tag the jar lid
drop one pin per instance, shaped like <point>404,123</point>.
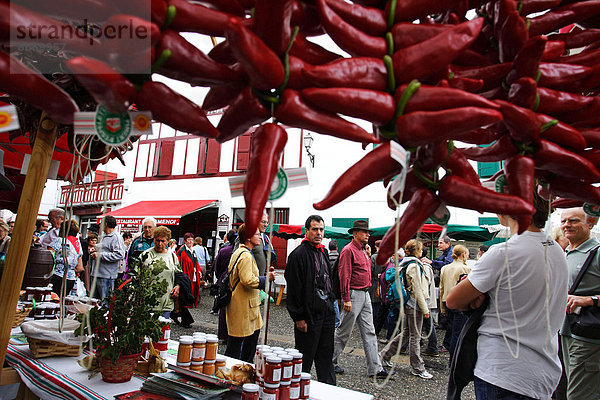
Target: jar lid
<point>186,339</point>
<point>291,350</point>
<point>305,376</point>
<point>209,361</point>
<point>297,355</point>
<point>197,362</point>
<point>199,339</point>
<point>164,320</point>
<point>277,348</point>
<point>273,359</point>
<point>295,380</point>
<point>286,357</point>
<point>271,385</point>
<point>211,339</point>
<point>250,387</point>
<point>285,383</point>
<point>221,358</point>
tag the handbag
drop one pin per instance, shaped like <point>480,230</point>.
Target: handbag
<point>586,323</point>
<point>224,293</point>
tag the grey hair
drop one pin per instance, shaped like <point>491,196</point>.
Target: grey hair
<point>149,219</point>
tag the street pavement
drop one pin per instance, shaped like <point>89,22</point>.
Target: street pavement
<point>402,385</point>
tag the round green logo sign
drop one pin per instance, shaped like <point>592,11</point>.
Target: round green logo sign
<point>113,128</point>
<point>279,186</point>
<point>591,209</point>
<point>441,216</point>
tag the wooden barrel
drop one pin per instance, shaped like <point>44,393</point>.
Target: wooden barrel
<point>39,265</point>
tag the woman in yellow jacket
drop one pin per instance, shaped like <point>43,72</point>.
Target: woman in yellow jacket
<point>243,312</point>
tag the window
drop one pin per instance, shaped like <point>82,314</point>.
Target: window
<point>487,169</point>
<point>488,221</point>
<point>163,160</point>
<point>281,216</point>
<point>243,151</point>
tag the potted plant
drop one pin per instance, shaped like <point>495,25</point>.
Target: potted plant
<point>122,321</point>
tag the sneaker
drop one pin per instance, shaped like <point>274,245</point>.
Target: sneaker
<point>338,370</point>
<point>431,353</point>
<point>381,374</point>
<point>387,363</point>
<point>422,375</point>
<point>383,341</point>
<point>403,352</point>
<point>443,349</point>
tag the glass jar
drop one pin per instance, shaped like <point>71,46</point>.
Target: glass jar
<point>38,294</point>
<point>184,353</point>
<point>305,385</point>
<point>220,363</point>
<point>46,294</point>
<point>211,347</point>
<point>284,390</point>
<point>199,348</point>
<point>272,369</point>
<point>197,366</point>
<point>40,311</point>
<point>270,391</point>
<point>29,293</point>
<point>209,367</point>
<point>287,367</point>
<point>295,389</point>
<point>250,391</point>
<point>297,365</point>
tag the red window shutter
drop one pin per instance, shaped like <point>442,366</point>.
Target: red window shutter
<point>243,151</point>
<point>202,156</point>
<point>213,157</point>
<point>165,163</point>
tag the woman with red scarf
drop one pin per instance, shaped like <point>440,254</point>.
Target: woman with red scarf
<point>189,265</point>
<point>73,253</point>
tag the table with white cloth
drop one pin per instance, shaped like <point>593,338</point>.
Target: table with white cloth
<point>62,378</point>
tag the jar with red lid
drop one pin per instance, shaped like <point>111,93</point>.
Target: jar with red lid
<point>287,367</point>
<point>29,293</point>
<point>272,369</point>
<point>260,367</point>
<point>46,294</point>
<point>38,294</point>
<point>295,389</point>
<point>284,390</point>
<point>297,365</point>
<point>40,311</point>
<point>270,391</point>
<point>250,391</point>
<point>305,385</point>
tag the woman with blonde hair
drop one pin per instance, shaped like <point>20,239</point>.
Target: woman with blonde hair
<point>416,284</point>
<point>449,277</point>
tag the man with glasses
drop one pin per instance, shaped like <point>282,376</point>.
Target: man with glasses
<point>581,356</point>
<point>143,242</point>
<point>56,216</point>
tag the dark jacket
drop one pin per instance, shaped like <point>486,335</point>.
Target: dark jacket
<point>303,302</point>
<point>444,259</point>
<point>185,289</point>
<point>138,246</point>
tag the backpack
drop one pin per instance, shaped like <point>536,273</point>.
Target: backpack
<point>393,294</point>
<point>224,292</point>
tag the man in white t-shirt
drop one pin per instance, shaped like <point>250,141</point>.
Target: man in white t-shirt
<point>517,347</point>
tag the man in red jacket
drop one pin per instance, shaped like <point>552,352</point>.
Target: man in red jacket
<point>355,281</point>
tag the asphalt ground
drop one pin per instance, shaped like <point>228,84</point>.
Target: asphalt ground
<point>402,385</point>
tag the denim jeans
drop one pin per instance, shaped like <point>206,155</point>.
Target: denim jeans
<point>336,308</point>
<point>486,391</point>
<point>103,286</point>
<point>431,335</point>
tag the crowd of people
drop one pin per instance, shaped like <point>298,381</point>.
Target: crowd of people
<point>524,293</point>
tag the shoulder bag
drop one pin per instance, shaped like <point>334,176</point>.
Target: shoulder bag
<point>586,323</point>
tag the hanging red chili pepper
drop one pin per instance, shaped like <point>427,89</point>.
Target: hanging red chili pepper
<point>500,150</point>
<point>422,205</point>
<point>457,164</point>
<point>370,105</point>
<point>267,145</point>
<point>456,191</point>
<point>562,76</point>
<point>527,60</point>
<point>430,56</point>
<point>356,72</point>
<point>221,96</point>
<point>523,93</point>
<point>174,110</point>
<point>191,17</point>
<point>592,137</point>
<point>534,6</point>
<point>349,38</point>
<point>513,37</point>
<point>311,52</point>
<point>482,135</point>
<point>407,34</point>
<point>577,37</point>
<point>566,203</point>
<point>368,19</point>
<point>107,86</point>
<point>553,158</point>
<point>409,10</point>
<point>244,112</point>
<point>412,184</point>
<point>555,101</point>
<point>561,133</point>
<point>523,124</point>
<point>272,23</point>
<point>520,179</point>
<point>421,127</point>
<point>295,112</point>
<point>563,16</point>
<point>262,65</point>
<point>296,79</point>
<point>185,62</point>
<point>575,190</point>
<point>431,156</point>
<point>492,75</point>
<point>433,98</point>
<point>374,166</point>
<point>18,80</point>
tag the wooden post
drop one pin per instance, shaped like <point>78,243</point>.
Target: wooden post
<point>29,204</point>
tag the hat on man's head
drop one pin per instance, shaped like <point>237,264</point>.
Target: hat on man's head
<point>360,224</point>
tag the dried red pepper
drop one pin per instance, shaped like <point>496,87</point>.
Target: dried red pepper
<point>407,34</point>
<point>520,179</point>
<point>311,52</point>
<point>375,166</point>
<point>422,204</point>
<point>368,19</point>
<point>107,86</point>
<point>272,23</point>
<point>421,127</point>
<point>370,105</point>
<point>577,38</point>
<point>244,112</point>
<point>191,17</point>
<point>575,190</point>
<point>457,164</point>
<point>294,111</point>
<point>482,135</point>
<point>492,75</point>
<point>533,6</point>
<point>513,37</point>
<point>523,92</point>
<point>18,80</point>
<point>262,65</point>
<point>357,72</point>
<point>553,158</point>
<point>432,98</point>
<point>527,60</point>
<point>555,101</point>
<point>174,110</point>
<point>409,10</point>
<point>456,191</point>
<point>431,156</point>
<point>221,96</point>
<point>351,39</point>
<point>566,203</point>
<point>522,123</point>
<point>562,76</point>
<point>502,149</point>
<point>591,136</point>
<point>563,16</point>
<point>267,145</point>
<point>561,133</point>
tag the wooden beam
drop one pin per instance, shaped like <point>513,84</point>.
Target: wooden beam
<point>29,204</point>
<point>9,376</point>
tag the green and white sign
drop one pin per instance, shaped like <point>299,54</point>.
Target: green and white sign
<point>114,129</point>
<point>279,186</point>
<point>592,210</point>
